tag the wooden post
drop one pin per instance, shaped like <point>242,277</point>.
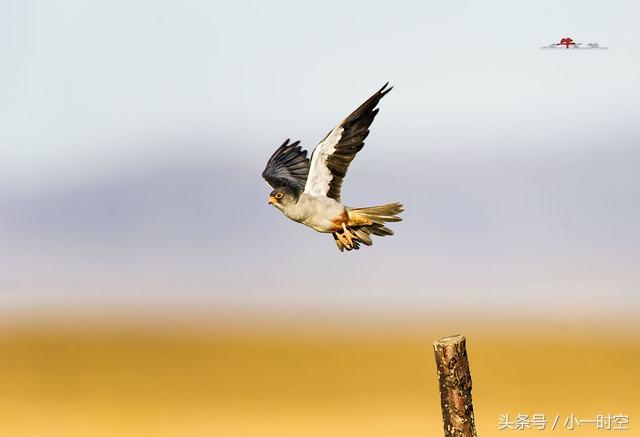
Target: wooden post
<point>455,386</point>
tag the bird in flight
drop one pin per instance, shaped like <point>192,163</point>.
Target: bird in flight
<point>308,191</point>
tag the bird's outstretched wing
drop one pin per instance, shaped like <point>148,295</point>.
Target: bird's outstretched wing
<point>288,166</point>
<point>331,158</point>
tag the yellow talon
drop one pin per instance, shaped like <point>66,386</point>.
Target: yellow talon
<point>347,235</point>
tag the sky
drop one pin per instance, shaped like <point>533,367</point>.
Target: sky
<point>133,135</point>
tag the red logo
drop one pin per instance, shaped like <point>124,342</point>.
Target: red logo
<point>569,43</point>
<point>566,42</point>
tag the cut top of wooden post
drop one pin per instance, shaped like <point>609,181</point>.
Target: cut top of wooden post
<point>454,378</point>
<point>452,339</point>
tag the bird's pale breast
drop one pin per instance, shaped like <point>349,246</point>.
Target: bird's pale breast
<point>320,213</point>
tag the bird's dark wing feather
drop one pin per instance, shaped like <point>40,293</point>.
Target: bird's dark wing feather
<point>331,158</point>
<point>288,166</point>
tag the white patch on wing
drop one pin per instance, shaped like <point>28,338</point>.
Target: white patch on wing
<point>319,174</point>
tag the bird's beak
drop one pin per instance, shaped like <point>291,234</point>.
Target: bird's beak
<point>272,200</point>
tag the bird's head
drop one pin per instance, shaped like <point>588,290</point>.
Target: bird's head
<point>281,197</point>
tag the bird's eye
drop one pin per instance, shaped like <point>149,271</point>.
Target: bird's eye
<point>278,195</point>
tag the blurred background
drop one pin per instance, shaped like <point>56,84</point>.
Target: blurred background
<point>146,287</point>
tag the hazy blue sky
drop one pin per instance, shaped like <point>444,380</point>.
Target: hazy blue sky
<point>133,135</point>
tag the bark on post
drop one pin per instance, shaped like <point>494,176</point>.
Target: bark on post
<point>455,386</point>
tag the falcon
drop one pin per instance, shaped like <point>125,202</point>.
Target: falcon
<point>308,191</point>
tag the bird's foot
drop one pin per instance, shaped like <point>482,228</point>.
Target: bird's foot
<point>343,240</point>
<point>347,235</point>
<point>346,239</point>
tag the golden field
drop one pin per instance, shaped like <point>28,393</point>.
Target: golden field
<point>118,379</point>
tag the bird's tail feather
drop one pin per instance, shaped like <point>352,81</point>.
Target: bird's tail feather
<point>363,222</point>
